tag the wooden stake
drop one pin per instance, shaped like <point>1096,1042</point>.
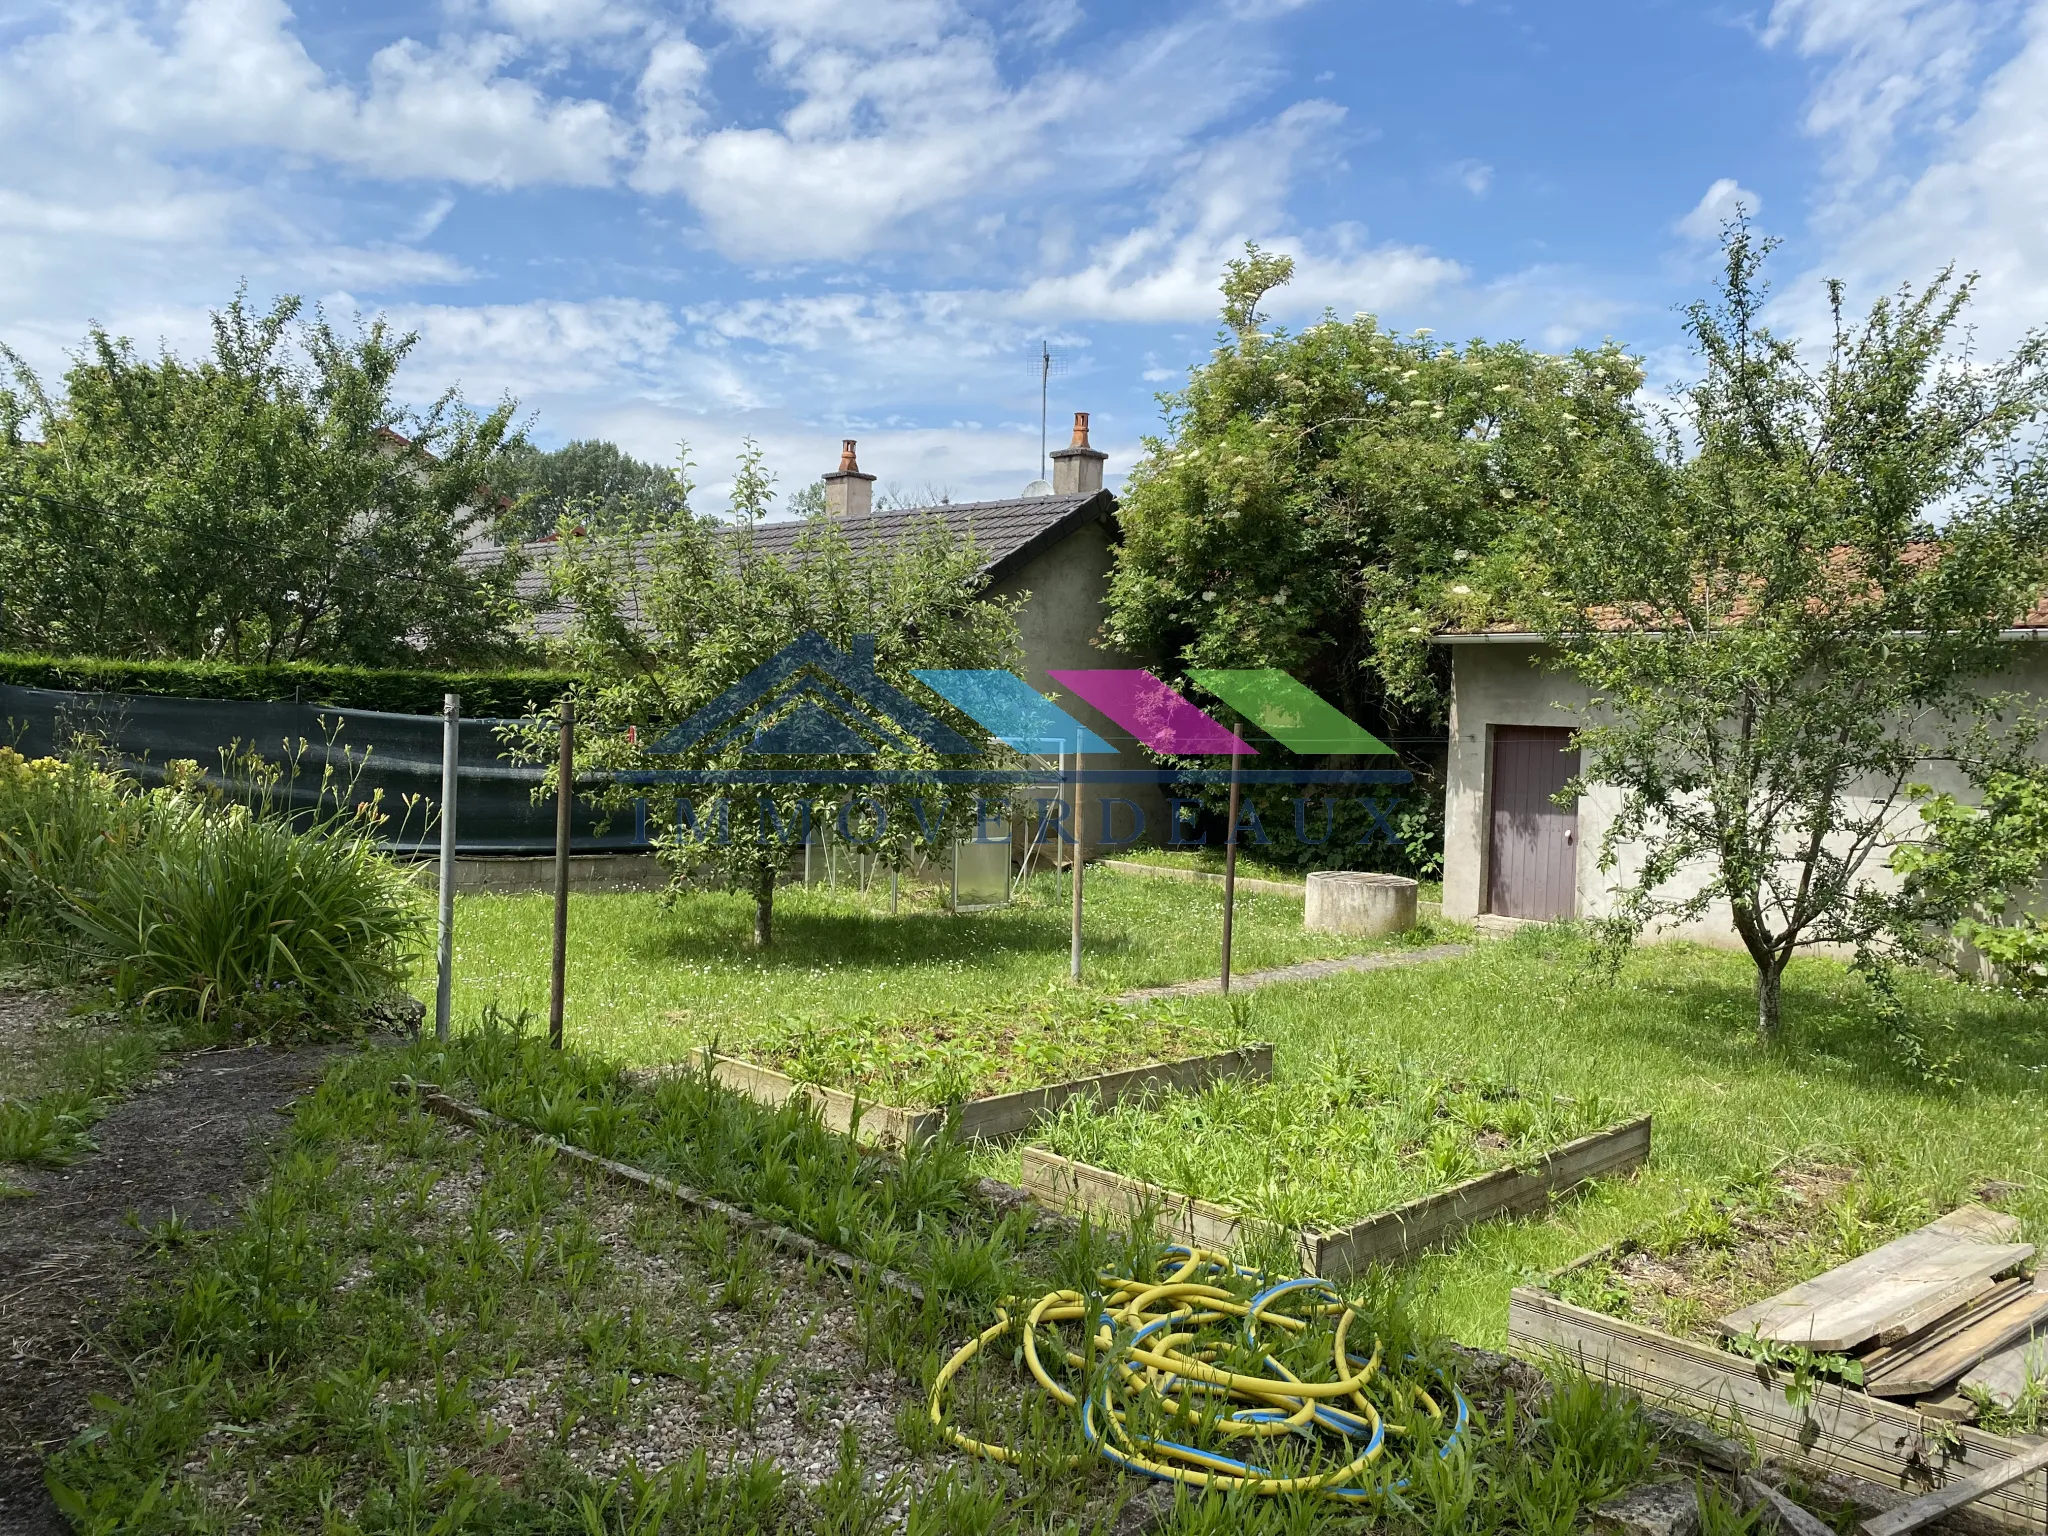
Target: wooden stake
<point>444,954</point>
<point>565,802</point>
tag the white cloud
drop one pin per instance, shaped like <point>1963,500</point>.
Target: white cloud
<point>1231,191</point>
<point>1716,207</point>
<point>1894,65</point>
<point>1475,176</point>
<point>566,20</point>
<point>550,346</point>
<point>874,144</point>
<point>229,74</point>
<point>1980,202</point>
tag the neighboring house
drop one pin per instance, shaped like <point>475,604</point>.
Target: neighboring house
<point>1512,851</point>
<point>1056,547</point>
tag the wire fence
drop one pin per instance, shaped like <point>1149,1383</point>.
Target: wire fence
<point>368,750</point>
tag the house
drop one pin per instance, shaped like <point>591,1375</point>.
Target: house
<point>1054,546</point>
<point>1510,851</point>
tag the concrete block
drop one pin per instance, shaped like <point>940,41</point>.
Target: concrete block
<point>1345,901</point>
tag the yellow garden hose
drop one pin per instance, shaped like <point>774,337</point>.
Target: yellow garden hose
<point>1155,1348</point>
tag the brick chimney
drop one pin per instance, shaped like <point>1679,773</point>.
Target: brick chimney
<point>1077,468</point>
<point>849,493</point>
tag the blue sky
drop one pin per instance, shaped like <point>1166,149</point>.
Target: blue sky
<point>805,220</point>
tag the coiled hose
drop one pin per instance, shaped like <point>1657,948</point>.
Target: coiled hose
<point>1156,1347</point>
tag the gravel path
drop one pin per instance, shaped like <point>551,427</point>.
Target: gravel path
<point>1308,970</point>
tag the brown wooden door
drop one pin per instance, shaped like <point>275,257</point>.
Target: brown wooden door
<point>1533,853</point>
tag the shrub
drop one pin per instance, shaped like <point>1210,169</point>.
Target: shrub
<point>397,690</point>
<point>60,821</point>
<point>197,905</point>
<point>224,912</point>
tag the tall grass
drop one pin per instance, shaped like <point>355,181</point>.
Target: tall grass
<point>203,899</point>
<point>221,911</point>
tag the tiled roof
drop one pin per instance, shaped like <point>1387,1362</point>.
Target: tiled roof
<point>1007,534</point>
<point>1842,560</point>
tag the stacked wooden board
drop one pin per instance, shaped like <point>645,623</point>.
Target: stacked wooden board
<point>1933,1317</point>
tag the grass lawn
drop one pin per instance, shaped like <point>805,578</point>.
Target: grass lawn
<point>648,981</point>
<point>1674,1036</point>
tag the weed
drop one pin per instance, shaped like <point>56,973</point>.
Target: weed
<point>744,1389</point>
<point>1723,1514</point>
<point>1805,1368</point>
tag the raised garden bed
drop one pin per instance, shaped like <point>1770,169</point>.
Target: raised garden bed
<point>1385,1237</point>
<point>1708,1272</point>
<point>991,1117</point>
<point>1359,1166</point>
<point>1820,1422</point>
<point>927,1058</point>
<point>1340,1138</point>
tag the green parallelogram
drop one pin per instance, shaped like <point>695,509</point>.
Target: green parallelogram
<point>1286,710</point>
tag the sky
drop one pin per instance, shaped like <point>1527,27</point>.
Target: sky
<point>805,220</point>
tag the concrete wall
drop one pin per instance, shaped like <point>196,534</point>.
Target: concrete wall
<point>516,874</point>
<point>1519,684</point>
<point>1068,585</point>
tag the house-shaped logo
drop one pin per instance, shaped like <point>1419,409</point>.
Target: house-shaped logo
<point>813,699</point>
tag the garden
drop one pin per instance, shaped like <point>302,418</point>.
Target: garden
<point>647,1356</point>
<point>841,1212</point>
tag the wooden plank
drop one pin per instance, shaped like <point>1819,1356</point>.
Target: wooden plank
<point>1519,1191</point>
<point>1886,1294</point>
<point>1954,1495</point>
<point>1951,1406</point>
<point>1953,1349</point>
<point>1011,1114</point>
<point>1869,1437</point>
<point>1062,1184</point>
<point>1978,1223</point>
<point>884,1124</point>
<point>1791,1517</point>
<point>2005,1374</point>
<point>1882,1357</point>
<point>993,1118</point>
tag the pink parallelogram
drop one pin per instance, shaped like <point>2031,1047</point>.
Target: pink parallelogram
<point>1160,718</point>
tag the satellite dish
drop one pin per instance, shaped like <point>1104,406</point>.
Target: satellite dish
<point>1038,488</point>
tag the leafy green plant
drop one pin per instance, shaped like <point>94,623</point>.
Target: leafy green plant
<point>1805,1368</point>
<point>47,1131</point>
<point>221,913</point>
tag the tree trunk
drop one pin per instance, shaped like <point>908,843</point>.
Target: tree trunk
<point>764,905</point>
<point>1769,1001</point>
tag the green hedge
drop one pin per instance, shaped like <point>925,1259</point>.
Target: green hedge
<point>399,692</point>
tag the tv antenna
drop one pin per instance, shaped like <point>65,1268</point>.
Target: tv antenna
<point>1048,365</point>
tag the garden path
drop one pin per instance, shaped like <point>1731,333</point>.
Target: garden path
<point>71,1247</point>
<point>1308,970</point>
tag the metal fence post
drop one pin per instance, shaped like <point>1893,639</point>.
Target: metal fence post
<point>1230,874</point>
<point>1080,849</point>
<point>565,802</point>
<point>444,969</point>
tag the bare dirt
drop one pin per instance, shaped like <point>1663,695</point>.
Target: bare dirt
<point>1718,1255</point>
<point>187,1142</point>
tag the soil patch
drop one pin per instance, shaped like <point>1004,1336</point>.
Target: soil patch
<point>1726,1249</point>
<point>70,1247</point>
